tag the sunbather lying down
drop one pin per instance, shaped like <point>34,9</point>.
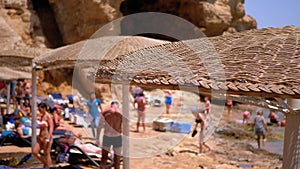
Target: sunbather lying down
<point>71,140</point>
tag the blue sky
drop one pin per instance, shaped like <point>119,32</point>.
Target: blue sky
<point>274,13</point>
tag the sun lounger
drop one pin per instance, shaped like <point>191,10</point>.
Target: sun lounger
<point>15,139</point>
<point>58,99</point>
<point>79,118</point>
<point>70,98</point>
<point>75,155</point>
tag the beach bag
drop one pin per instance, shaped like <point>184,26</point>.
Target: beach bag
<point>62,158</point>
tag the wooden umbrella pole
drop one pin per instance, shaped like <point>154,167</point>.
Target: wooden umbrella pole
<point>125,109</point>
<point>291,149</point>
<point>8,97</point>
<point>34,107</point>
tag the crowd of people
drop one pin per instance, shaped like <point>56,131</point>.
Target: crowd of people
<point>259,124</point>
<point>51,120</point>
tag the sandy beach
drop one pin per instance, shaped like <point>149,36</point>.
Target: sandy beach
<point>233,146</point>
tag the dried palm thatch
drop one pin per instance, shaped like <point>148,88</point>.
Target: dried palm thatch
<point>264,62</point>
<point>12,74</point>
<point>17,63</point>
<point>90,52</point>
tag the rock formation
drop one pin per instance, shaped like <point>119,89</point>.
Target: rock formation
<point>54,23</point>
<point>78,20</point>
<point>19,25</point>
<point>213,17</point>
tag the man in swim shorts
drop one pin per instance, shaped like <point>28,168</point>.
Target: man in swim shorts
<point>112,134</point>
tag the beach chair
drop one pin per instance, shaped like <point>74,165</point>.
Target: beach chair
<point>78,118</point>
<point>75,155</point>
<point>70,98</point>
<point>15,139</point>
<point>58,99</point>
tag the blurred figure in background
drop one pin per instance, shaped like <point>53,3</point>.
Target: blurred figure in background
<point>246,117</point>
<point>141,102</point>
<point>207,105</point>
<point>229,105</point>
<point>260,127</point>
<point>274,119</point>
<point>94,110</point>
<point>136,90</point>
<point>168,101</point>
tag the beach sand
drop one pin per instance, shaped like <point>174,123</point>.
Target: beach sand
<point>230,142</point>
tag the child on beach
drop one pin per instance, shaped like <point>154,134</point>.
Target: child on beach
<point>207,105</point>
<point>260,126</point>
<point>246,117</point>
<point>229,105</point>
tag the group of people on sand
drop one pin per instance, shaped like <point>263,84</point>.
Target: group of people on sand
<point>140,102</point>
<point>50,121</point>
<point>260,126</point>
<point>19,91</point>
<point>112,119</point>
<point>201,116</point>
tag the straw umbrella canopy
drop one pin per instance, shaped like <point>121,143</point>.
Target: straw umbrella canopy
<point>88,51</point>
<point>88,54</point>
<point>261,62</point>
<point>17,64</point>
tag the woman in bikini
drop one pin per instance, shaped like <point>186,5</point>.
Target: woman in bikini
<point>44,140</point>
<point>200,119</point>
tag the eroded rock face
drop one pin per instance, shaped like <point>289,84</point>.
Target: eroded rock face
<point>213,17</point>
<point>20,24</point>
<point>78,20</point>
<point>27,23</point>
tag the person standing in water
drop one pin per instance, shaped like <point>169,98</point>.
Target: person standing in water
<point>260,126</point>
<point>45,139</point>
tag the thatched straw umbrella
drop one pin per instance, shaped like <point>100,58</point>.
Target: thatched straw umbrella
<point>17,64</point>
<point>262,63</point>
<point>93,50</point>
<point>89,53</point>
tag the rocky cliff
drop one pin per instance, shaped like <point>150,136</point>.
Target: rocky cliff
<point>213,17</point>
<point>54,23</point>
<point>19,25</point>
